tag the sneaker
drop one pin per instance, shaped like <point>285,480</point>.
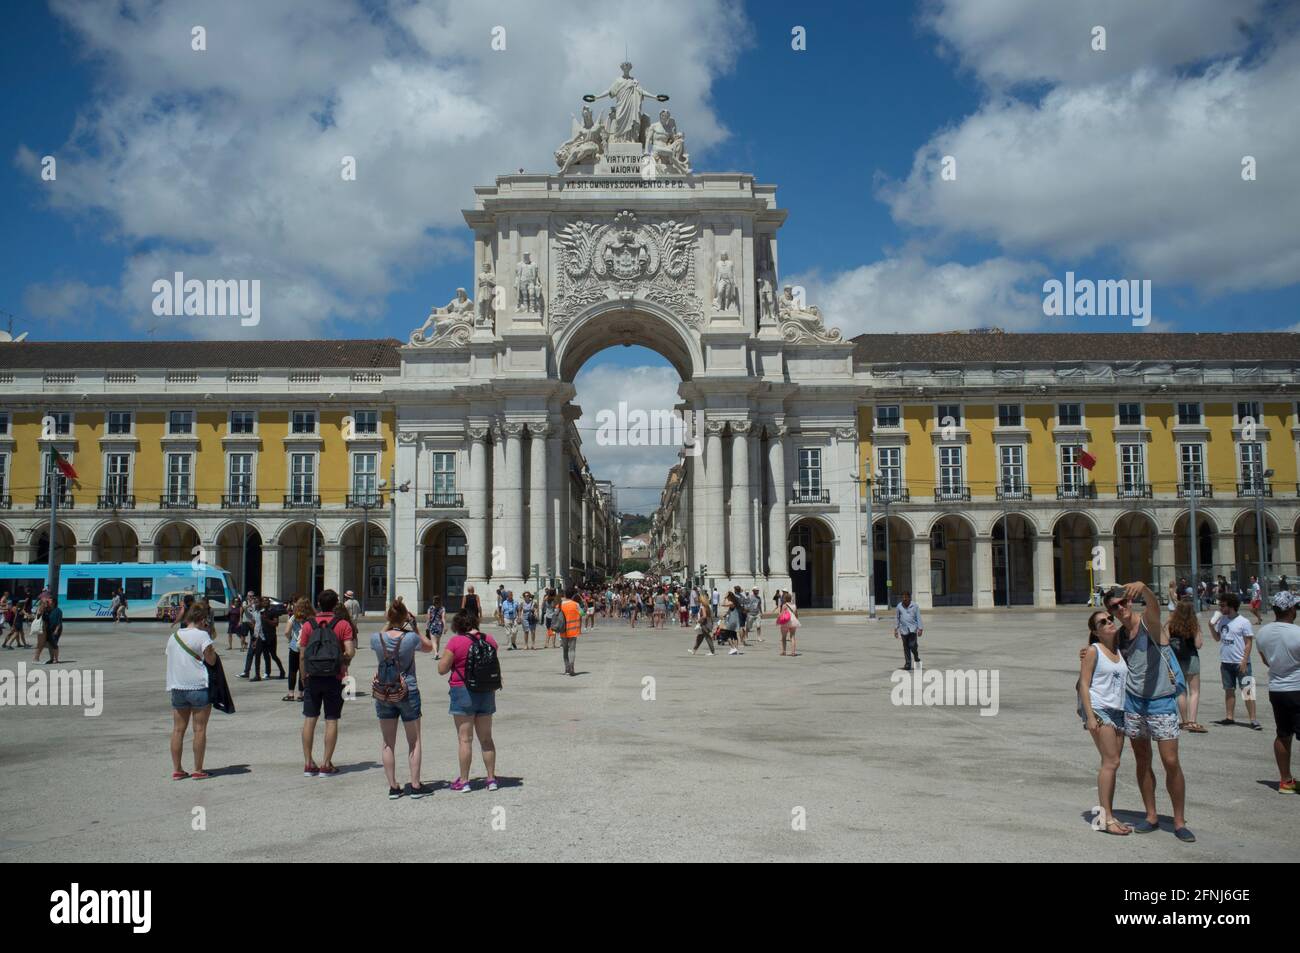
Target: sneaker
<point>711,654</point>
<point>460,787</point>
<point>1256,726</point>
<point>492,784</point>
<point>394,793</point>
<point>242,675</point>
<point>417,793</point>
<point>734,652</point>
<point>1286,787</point>
<point>328,771</point>
<point>310,770</point>
<point>690,651</point>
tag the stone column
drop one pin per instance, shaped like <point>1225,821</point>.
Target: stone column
<point>1224,553</point>
<point>742,545</point>
<point>539,537</point>
<point>1165,569</point>
<point>922,595</point>
<point>1044,570</point>
<point>716,545</point>
<point>851,584</point>
<point>555,490</point>
<point>699,507</point>
<point>778,553</point>
<point>983,572</point>
<point>270,581</point>
<point>406,582</point>
<point>586,527</point>
<point>333,567</point>
<point>496,509</point>
<point>513,506</point>
<point>479,557</point>
<point>756,501</point>
<point>1106,574</point>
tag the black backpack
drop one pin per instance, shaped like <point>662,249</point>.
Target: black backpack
<point>323,653</point>
<point>482,667</point>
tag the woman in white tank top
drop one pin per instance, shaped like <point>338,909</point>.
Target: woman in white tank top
<point>1101,706</point>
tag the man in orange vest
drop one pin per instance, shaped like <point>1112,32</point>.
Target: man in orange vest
<point>572,613</point>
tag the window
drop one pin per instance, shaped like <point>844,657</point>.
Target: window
<point>1009,415</point>
<point>455,544</point>
<point>1013,469</point>
<point>365,478</point>
<point>81,590</point>
<point>62,424</point>
<point>303,476</point>
<point>106,587</point>
<point>304,421</point>
<point>117,475</point>
<point>1071,470</point>
<point>54,482</point>
<point>1130,415</point>
<point>950,470</point>
<point>180,422</point>
<point>1252,465</point>
<point>119,421</point>
<point>1189,414</point>
<point>178,476</point>
<point>1191,458</point>
<point>241,477</point>
<point>810,472</point>
<point>4,423</point>
<point>4,474</point>
<point>938,538</point>
<point>366,421</point>
<point>444,473</point>
<point>1069,415</point>
<point>949,410</point>
<point>242,421</point>
<point>214,590</point>
<point>1132,474</point>
<point>1248,410</point>
<point>891,470</point>
<point>139,587</point>
<point>888,416</point>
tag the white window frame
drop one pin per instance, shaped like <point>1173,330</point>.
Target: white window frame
<point>130,471</point>
<point>64,484</point>
<point>943,485</point>
<point>8,422</point>
<point>875,418</point>
<point>1124,482</point>
<point>108,423</point>
<point>353,457</point>
<point>4,472</point>
<point>1241,463</point>
<point>1083,420</point>
<point>884,484</point>
<point>379,421</point>
<point>252,473</point>
<point>1023,482</point>
<point>194,423</point>
<point>960,417</point>
<point>1183,464</point>
<point>997,416</point>
<point>807,490</point>
<point>315,474</point>
<point>315,431</point>
<point>1063,468</point>
<point>1236,412</point>
<point>72,423</point>
<point>230,420</point>
<point>1142,413</point>
<point>189,473</point>
<point>1200,413</point>
<point>434,472</point>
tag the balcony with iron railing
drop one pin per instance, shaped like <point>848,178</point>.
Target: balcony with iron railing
<point>800,494</point>
<point>44,500</point>
<point>1202,490</point>
<point>1076,491</point>
<point>952,494</point>
<point>116,501</point>
<point>1014,491</point>
<point>443,500</point>
<point>1249,491</point>
<point>364,501</point>
<point>240,501</point>
<point>302,501</point>
<point>890,493</point>
<point>6,502</point>
<point>1133,491</point>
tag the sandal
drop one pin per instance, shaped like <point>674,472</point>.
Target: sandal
<point>1197,728</point>
<point>200,776</point>
<point>288,698</point>
<point>1124,829</point>
<point>179,775</point>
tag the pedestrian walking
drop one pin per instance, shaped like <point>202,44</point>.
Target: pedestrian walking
<point>508,613</point>
<point>571,620</point>
<point>703,630</point>
<point>787,620</point>
<point>1235,637</point>
<point>907,626</point>
<point>436,622</point>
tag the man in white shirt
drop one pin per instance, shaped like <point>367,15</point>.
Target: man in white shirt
<point>1279,646</point>
<point>1234,635</point>
<point>350,603</point>
<point>189,652</point>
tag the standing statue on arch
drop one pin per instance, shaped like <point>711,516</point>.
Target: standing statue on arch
<point>627,124</point>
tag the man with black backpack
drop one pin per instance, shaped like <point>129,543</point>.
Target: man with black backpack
<point>328,643</point>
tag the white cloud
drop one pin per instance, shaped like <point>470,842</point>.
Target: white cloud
<point>226,163</point>
<point>1014,41</point>
<point>908,293</point>
<point>638,472</point>
<point>1140,162</point>
<point>66,300</point>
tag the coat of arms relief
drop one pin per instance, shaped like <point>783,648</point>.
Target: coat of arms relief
<point>601,261</point>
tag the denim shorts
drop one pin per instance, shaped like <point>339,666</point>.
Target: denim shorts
<point>408,708</point>
<point>1114,717</point>
<point>183,698</point>
<point>1231,675</point>
<point>465,702</point>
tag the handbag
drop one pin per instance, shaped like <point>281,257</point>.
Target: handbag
<point>38,625</point>
<point>390,692</point>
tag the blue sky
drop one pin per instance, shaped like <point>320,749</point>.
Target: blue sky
<point>1115,163</point>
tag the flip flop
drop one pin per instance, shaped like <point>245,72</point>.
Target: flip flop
<point>288,698</point>
<point>179,775</point>
<point>200,776</point>
<point>1197,728</point>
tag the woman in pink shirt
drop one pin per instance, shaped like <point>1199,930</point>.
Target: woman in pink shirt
<point>471,711</point>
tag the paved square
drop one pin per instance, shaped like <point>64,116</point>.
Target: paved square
<point>716,767</point>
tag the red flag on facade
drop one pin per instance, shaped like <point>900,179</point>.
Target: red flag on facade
<point>64,467</point>
<point>1087,460</point>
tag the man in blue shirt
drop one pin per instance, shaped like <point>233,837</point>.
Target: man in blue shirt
<point>509,616</point>
<point>907,626</point>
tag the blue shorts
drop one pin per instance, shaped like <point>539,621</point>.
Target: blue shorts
<point>1231,675</point>
<point>465,702</point>
<point>185,698</point>
<point>1114,717</point>
<point>408,708</point>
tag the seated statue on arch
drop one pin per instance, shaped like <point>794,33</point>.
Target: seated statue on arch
<point>667,146</point>
<point>586,144</point>
<point>441,321</point>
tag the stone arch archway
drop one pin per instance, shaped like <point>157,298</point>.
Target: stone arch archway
<point>6,545</point>
<point>115,542</point>
<point>812,563</point>
<point>1074,540</point>
<point>444,564</point>
<point>952,561</point>
<point>611,323</point>
<point>1135,548</point>
<point>1014,540</point>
